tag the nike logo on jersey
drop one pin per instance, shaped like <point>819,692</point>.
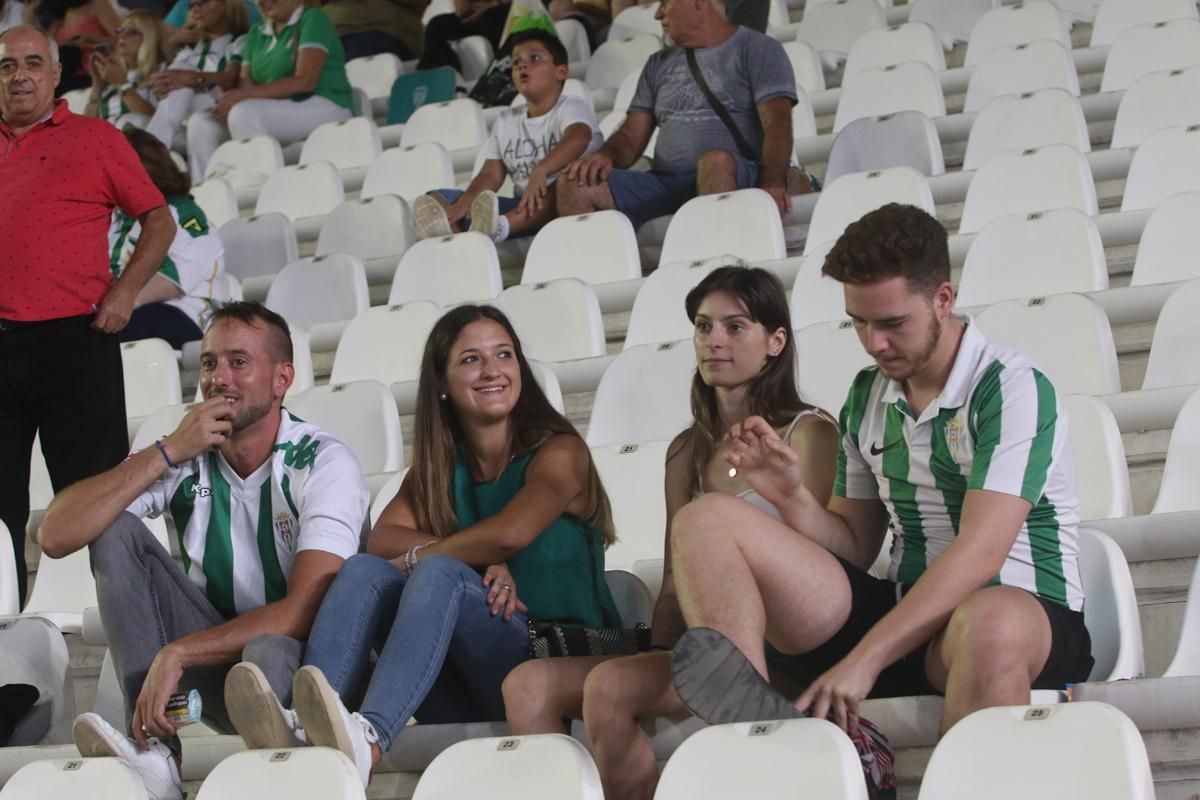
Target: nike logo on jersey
<point>876,450</point>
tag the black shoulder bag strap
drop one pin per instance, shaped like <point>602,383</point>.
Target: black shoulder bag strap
<point>744,147</point>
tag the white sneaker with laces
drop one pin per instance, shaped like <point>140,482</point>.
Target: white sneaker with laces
<point>257,714</point>
<point>429,218</point>
<point>485,216</point>
<point>327,722</point>
<point>95,738</point>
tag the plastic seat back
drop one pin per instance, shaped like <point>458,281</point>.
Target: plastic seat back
<point>304,772</point>
<point>902,139</point>
<point>306,190</point>
<point>373,229</point>
<point>547,767</point>
<point>1155,101</point>
<point>644,395</point>
<point>885,90</point>
<point>1173,357</point>
<point>361,415</point>
<point>830,355</point>
<point>1021,69</point>
<point>1143,49</point>
<point>385,343</point>
<point>1026,121</point>
<point>1102,477</point>
<point>850,197</point>
<point>1166,164</point>
<point>318,289</point>
<point>952,20</point>
<point>1177,490</point>
<point>639,515</point>
<point>374,74</point>
<point>833,28</point>
<point>616,59</point>
<point>816,297</point>
<point>347,144</point>
<point>449,270</point>
<point>1169,232</point>
<point>245,162</point>
<point>217,200</point>
<point>557,320</point>
<point>744,224</point>
<point>59,779</point>
<point>1008,26</point>
<point>409,172</point>
<point>456,125</point>
<point>595,248</point>
<point>912,41</point>
<point>260,245</point>
<point>658,313</point>
<point>1028,181</point>
<point>1186,660</point>
<point>410,92</point>
<point>151,376</point>
<point>1114,17</point>
<point>806,65</point>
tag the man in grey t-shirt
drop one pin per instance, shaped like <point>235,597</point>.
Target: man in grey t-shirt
<point>696,153</point>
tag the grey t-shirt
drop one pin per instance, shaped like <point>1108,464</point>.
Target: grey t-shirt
<point>745,70</point>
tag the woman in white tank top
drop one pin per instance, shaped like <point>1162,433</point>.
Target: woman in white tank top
<point>745,367</point>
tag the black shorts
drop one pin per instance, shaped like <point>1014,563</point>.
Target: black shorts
<point>1070,659</point>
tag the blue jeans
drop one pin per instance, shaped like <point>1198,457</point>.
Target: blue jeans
<point>442,655</point>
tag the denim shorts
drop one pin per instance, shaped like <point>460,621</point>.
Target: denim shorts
<point>642,196</point>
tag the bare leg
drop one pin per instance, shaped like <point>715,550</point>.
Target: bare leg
<point>716,172</point>
<point>541,694</point>
<point>990,652</point>
<point>521,223</point>
<point>576,198</point>
<point>616,694</point>
<point>743,573</point>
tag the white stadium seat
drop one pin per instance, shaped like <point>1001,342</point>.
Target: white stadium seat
<point>448,270</point>
<point>885,47</point>
<point>1187,655</point>
<point>320,289</point>
<point>1030,255</point>
<point>1025,121</point>
<point>1114,17</point>
<point>1168,235</point>
<point>744,224</point>
<point>557,320</point>
<point>1020,69</point>
<point>457,125</point>
<point>952,20</point>
<point>644,395</point>
<point>305,773</point>
<point>1079,750</point>
<point>1166,164</point>
<point>1173,357</point>
<point>850,197</point>
<point>630,473</point>
<point>246,162</point>
<point>59,779</point>
<point>33,651</point>
<point>474,55</point>
<point>595,248</point>
<point>634,21</point>
<point>1177,491</point>
<point>816,297</point>
<point>10,602</point>
<point>361,415</point>
<point>787,758</point>
<point>830,355</point>
<point>658,313</point>
<point>151,376</point>
<point>1028,181</point>
<point>573,34</point>
<point>385,343</point>
<point>1008,26</point>
<point>1151,48</point>
<point>388,491</point>
<point>349,144</point>
<point>259,245</point>
<point>1067,335</point>
<point>885,90</point>
<point>1102,477</point>
<point>615,60</point>
<point>804,121</point>
<point>902,139</point>
<point>1155,101</point>
<point>547,767</point>
<point>376,230</point>
<point>409,171</point>
<point>1112,609</point>
<point>217,200</point>
<point>302,191</point>
<point>806,65</point>
<point>374,75</point>
<point>833,28</point>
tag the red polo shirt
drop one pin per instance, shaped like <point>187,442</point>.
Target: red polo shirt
<point>59,183</point>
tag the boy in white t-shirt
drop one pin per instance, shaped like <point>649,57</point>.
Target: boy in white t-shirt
<point>530,143</point>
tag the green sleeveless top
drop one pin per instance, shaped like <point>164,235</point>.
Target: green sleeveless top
<point>560,575</point>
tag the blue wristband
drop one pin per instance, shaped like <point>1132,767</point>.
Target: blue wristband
<point>166,457</point>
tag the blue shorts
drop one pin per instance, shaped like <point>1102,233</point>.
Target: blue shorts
<point>642,196</point>
<point>505,204</point>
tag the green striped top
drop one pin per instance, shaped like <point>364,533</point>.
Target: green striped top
<point>997,425</point>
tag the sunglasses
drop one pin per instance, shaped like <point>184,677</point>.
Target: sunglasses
<point>196,3</point>
<point>128,32</point>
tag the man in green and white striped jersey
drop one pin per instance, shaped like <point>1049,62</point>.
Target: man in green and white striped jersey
<point>267,507</point>
<point>955,445</point>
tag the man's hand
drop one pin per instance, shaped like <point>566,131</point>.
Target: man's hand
<point>206,425</point>
<point>779,194</point>
<point>161,682</point>
<point>839,692</point>
<point>114,310</point>
<point>533,199</point>
<point>766,462</point>
<point>590,170</point>
<point>503,591</point>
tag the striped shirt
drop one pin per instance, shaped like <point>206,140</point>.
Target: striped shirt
<point>997,425</point>
<point>238,537</point>
<point>211,56</point>
<point>195,261</point>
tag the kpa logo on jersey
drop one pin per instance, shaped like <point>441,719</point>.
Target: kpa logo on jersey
<point>283,529</point>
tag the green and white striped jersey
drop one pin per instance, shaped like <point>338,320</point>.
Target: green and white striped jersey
<point>195,261</point>
<point>211,56</point>
<point>997,425</point>
<point>238,537</point>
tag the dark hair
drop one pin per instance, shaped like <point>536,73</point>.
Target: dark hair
<point>48,12</point>
<point>895,240</point>
<point>156,158</point>
<point>553,45</point>
<point>772,393</point>
<point>255,314</point>
<point>437,432</point>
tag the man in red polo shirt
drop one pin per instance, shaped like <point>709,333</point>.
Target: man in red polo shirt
<point>61,175</point>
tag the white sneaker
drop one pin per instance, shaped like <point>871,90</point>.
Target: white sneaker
<point>257,714</point>
<point>429,218</point>
<point>329,724</point>
<point>95,738</point>
<point>485,215</point>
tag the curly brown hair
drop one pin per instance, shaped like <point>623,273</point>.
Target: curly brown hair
<point>895,240</point>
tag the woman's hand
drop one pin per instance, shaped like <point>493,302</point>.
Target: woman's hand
<point>765,461</point>
<point>169,80</point>
<point>109,69</point>
<point>502,594</point>
<point>227,102</point>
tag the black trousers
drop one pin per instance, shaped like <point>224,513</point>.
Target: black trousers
<point>63,380</point>
<point>446,28</point>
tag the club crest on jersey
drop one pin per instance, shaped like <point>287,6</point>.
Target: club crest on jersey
<point>954,434</point>
<point>283,528</point>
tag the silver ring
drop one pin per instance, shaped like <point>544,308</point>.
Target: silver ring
<point>504,587</point>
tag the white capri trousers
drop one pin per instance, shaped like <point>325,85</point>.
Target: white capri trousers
<point>173,110</point>
<point>286,120</point>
